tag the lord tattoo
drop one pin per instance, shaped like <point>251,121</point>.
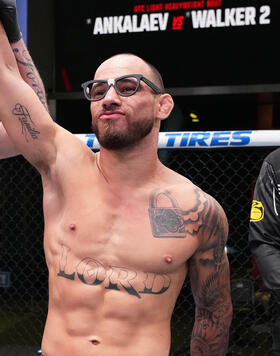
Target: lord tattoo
<point>27,125</point>
<point>92,272</point>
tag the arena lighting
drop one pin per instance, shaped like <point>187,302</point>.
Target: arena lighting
<point>194,117</point>
<point>230,250</point>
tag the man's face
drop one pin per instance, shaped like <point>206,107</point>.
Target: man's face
<point>119,122</point>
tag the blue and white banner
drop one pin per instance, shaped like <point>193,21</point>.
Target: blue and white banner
<point>206,139</point>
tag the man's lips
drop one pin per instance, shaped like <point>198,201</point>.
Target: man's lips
<point>105,115</point>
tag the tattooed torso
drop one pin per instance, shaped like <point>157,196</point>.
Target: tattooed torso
<point>120,258</point>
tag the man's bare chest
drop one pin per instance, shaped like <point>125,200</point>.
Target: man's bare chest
<point>136,241</point>
<point>124,234</point>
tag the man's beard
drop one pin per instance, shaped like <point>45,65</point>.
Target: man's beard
<point>112,139</point>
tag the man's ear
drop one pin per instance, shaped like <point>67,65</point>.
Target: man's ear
<point>165,106</point>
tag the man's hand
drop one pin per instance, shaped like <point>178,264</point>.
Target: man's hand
<point>8,16</point>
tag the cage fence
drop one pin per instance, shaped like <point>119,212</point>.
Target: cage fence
<point>228,174</point>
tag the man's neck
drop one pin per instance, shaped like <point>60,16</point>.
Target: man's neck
<point>132,165</point>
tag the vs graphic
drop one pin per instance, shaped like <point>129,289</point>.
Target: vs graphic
<point>177,22</point>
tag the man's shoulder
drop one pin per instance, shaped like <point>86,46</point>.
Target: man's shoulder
<point>208,208</point>
<point>203,215</point>
<point>188,193</point>
<point>185,189</point>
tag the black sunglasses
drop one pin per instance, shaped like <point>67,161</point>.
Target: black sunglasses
<point>125,85</point>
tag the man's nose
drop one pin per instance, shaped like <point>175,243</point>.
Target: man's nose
<point>111,97</point>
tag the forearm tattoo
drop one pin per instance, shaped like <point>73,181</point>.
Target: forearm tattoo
<point>27,125</point>
<point>173,222</point>
<point>211,329</point>
<point>31,74</point>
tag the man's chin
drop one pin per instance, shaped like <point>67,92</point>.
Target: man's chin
<point>113,139</point>
<point>115,143</point>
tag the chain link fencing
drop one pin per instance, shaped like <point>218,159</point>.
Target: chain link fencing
<point>228,174</point>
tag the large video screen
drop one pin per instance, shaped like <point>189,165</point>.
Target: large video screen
<point>192,43</point>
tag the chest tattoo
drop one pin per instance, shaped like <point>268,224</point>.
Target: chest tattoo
<point>92,272</point>
<point>171,221</point>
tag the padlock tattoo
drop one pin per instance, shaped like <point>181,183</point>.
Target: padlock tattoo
<point>170,221</point>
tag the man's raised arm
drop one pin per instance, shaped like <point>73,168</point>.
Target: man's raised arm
<point>24,117</point>
<point>27,69</point>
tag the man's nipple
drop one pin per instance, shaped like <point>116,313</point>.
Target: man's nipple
<point>168,259</point>
<point>72,227</point>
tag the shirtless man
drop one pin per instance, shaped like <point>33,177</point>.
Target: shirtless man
<point>122,231</point>
<point>28,71</point>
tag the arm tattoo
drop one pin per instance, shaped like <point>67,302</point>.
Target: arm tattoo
<point>212,295</point>
<point>27,125</point>
<point>31,74</point>
<point>209,267</point>
<point>211,330</point>
<point>216,232</point>
<point>171,221</point>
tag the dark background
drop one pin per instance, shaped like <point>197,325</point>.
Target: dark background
<point>188,57</point>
